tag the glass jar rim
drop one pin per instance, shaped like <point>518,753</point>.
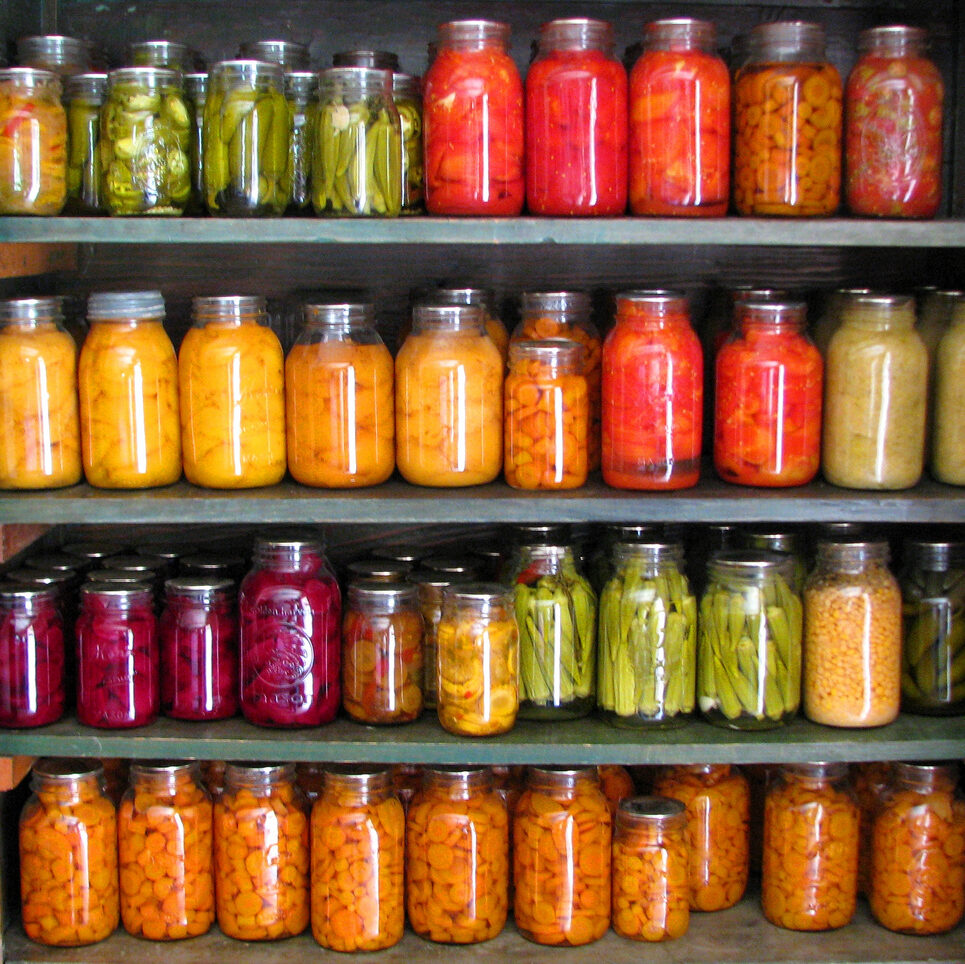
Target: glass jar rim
<point>281,53</point>
<point>30,310</point>
<point>125,306</point>
<point>451,565</point>
<point>818,769</point>
<point>751,561</point>
<point>698,32</point>
<point>227,307</point>
<point>355,77</point>
<point>14,591</point>
<point>447,317</point>
<point>934,555</point>
<point>196,83</point>
<point>383,570</point>
<point>479,30</point>
<point>254,770</point>
<point>155,76</point>
<point>555,301</point>
<point>65,768</point>
<point>300,82</point>
<point>477,592</point>
<point>892,34</point>
<point>163,767</point>
<point>367,57</point>
<point>250,70</point>
<point>781,312</point>
<point>58,561</point>
<point>357,777</point>
<point>338,314</point>
<point>371,590</point>
<point>197,586</point>
<point>32,77</point>
<point>652,807</point>
<point>90,84</point>
<point>559,351</point>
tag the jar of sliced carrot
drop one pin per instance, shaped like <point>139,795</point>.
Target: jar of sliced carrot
<point>261,854</point>
<point>616,784</point>
<point>456,857</point>
<point>561,857</point>
<point>870,781</point>
<point>358,834</point>
<point>809,872</point>
<point>164,845</point>
<point>787,97</point>
<point>917,883</point>
<point>718,799</point>
<point>68,855</point>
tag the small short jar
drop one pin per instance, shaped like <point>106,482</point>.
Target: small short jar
<point>84,96</point>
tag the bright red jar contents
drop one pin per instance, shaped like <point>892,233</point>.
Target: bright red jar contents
<point>893,128</point>
<point>767,425</point>
<point>290,617</point>
<point>652,394</point>
<point>576,122</point>
<point>472,123</point>
<point>679,123</point>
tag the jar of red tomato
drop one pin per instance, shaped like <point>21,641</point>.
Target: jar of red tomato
<point>576,122</point>
<point>652,394</point>
<point>473,123</point>
<point>767,425</point>
<point>893,126</point>
<point>679,123</point>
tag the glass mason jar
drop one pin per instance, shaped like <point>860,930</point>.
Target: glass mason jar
<point>33,161</point>
<point>829,321</point>
<point>576,122</point>
<point>290,614</point>
<point>161,53</point>
<point>787,541</point>
<point>893,126</point>
<point>809,872</point>
<point>366,57</point>
<point>198,630</point>
<point>546,410</point>
<point>934,312</point>
<point>407,95</point>
<point>473,116</point>
<point>652,394</point>
<point>128,384</point>
<point>382,653</point>
<point>870,781</point>
<point>301,88</point>
<point>60,55</point>
<point>651,900</point>
<point>556,615</point>
<point>462,897</point>
<point>246,128</point>
<point>787,96</point>
<point>261,853</point>
<point>357,158</point>
<point>40,437</point>
<point>561,857</point>
<point>680,122</point>
<point>340,399</point>
<point>482,298</point>
<point>231,375</point>
<point>68,855</point>
<point>376,570</point>
<point>749,648</point>
<point>449,399</point>
<point>358,821</point>
<point>84,96</point>
<point>195,96</point>
<point>431,587</point>
<point>769,384</point>
<point>876,386</point>
<point>478,660</point>
<point>287,54</point>
<point>852,639</point>
<point>717,797</point>
<point>917,882</point>
<point>164,830</point>
<point>948,435</point>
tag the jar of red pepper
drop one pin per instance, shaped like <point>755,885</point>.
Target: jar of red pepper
<point>576,122</point>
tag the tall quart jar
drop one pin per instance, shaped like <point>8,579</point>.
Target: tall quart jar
<point>161,53</point>
<point>165,811</point>
<point>231,375</point>
<point>562,833</point>
<point>893,126</point>
<point>84,96</point>
<point>64,56</point>
<point>195,95</point>
<point>448,399</point>
<point>483,299</point>
<point>128,385</point>
<point>680,122</point>
<point>407,95</point>
<point>39,426</point>
<point>875,401</point>
<point>287,54</point>
<point>301,89</point>
<point>473,115</point>
<point>431,587</point>
<point>68,855</point>
<point>948,434</point>
<point>652,394</point>
<point>358,840</point>
<point>852,639</point>
<point>340,399</point>
<point>576,122</point>
<point>787,96</point>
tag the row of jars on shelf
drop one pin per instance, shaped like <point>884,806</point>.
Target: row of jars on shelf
<point>168,864</point>
<point>580,139</point>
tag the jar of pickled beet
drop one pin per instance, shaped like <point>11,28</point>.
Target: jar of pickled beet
<point>473,117</point>
<point>561,857</point>
<point>680,122</point>
<point>261,853</point>
<point>382,653</point>
<point>650,892</point>
<point>290,614</point>
<point>769,384</point>
<point>301,88</point>
<point>231,375</point>
<point>195,95</point>
<point>340,399</point>
<point>68,855</point>
<point>948,439</point>
<point>456,856</point>
<point>478,660</point>
<point>917,881</point>
<point>576,122</point>
<point>199,649</point>
<point>893,126</point>
<point>787,96</point>
<point>358,838</point>
<point>483,299</point>
<point>448,399</point>
<point>165,811</point>
<point>407,94</point>
<point>84,96</point>
<point>652,394</point>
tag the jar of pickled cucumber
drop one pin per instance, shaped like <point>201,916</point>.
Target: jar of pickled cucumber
<point>300,91</point>
<point>287,54</point>
<point>84,95</point>
<point>948,436</point>
<point>68,855</point>
<point>64,56</point>
<point>195,95</point>
<point>161,53</point>
<point>407,94</point>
